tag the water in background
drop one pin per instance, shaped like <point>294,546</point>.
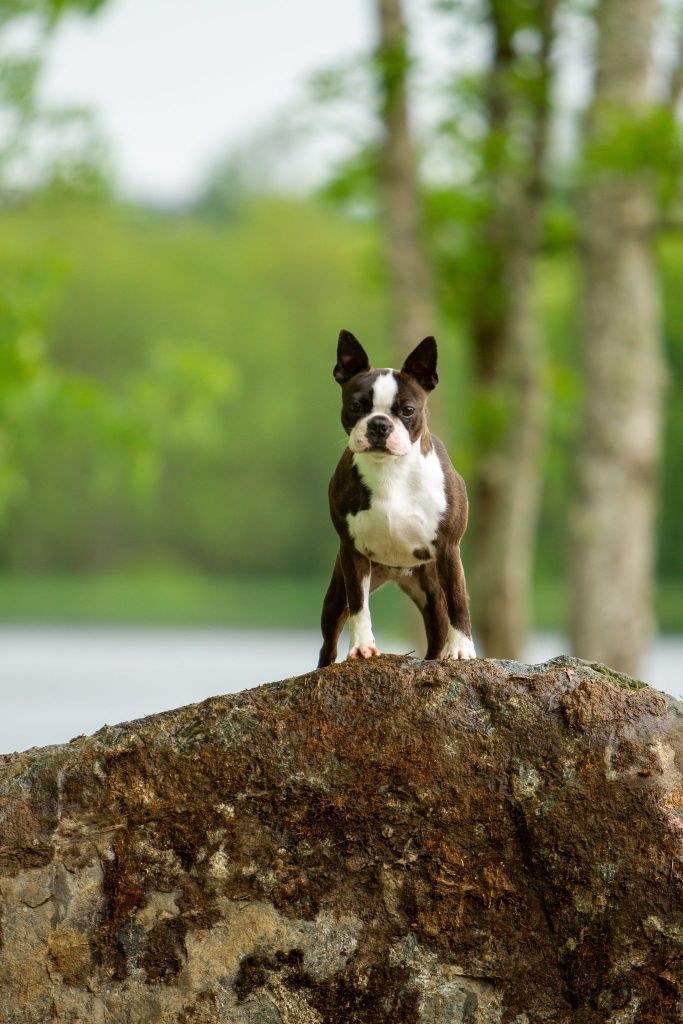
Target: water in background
<point>61,682</point>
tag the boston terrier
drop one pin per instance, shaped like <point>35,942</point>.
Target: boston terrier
<point>398,505</point>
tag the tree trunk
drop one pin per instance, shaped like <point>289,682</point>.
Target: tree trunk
<point>412,307</point>
<point>507,482</point>
<point>620,440</point>
<point>508,360</point>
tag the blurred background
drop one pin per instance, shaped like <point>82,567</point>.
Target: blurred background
<point>194,202</point>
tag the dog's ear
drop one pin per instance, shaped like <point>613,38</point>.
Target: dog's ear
<point>351,358</point>
<point>421,364</point>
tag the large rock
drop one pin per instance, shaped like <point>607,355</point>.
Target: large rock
<point>394,841</point>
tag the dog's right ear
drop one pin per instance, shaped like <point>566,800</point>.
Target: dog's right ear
<point>351,358</point>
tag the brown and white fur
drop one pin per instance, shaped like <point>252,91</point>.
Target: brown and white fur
<point>398,505</point>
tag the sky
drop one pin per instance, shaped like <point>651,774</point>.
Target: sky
<point>174,84</point>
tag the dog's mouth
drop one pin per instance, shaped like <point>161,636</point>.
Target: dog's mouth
<point>380,448</point>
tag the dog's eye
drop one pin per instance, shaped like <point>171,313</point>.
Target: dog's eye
<point>354,406</point>
<point>408,410</point>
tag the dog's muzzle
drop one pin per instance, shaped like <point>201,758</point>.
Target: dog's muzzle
<point>377,431</point>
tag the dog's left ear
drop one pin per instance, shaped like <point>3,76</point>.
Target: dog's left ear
<point>421,364</point>
<point>351,358</point>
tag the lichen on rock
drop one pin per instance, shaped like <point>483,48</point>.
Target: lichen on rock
<point>389,842</point>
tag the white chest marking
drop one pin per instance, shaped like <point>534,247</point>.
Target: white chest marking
<point>407,501</point>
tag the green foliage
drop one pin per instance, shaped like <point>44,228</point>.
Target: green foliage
<point>489,417</point>
<point>629,143</point>
<point>244,492</point>
<point>223,194</point>
<point>213,448</point>
<point>62,145</point>
<point>669,526</point>
<point>392,64</point>
<point>347,81</point>
<point>170,401</point>
<point>354,182</point>
<point>27,295</point>
<point>166,399</point>
<point>335,96</point>
<point>84,6</point>
<point>45,11</point>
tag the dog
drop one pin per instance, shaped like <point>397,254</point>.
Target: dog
<point>398,506</point>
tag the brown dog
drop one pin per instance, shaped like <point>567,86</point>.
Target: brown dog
<point>398,505</point>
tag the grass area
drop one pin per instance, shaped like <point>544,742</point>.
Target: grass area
<point>157,598</point>
<point>184,599</point>
<point>551,605</point>
<point>669,604</point>
<point>175,599</point>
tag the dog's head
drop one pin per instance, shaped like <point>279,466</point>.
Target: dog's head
<point>384,411</point>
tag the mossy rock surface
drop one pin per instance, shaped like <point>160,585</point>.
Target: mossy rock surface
<point>393,841</point>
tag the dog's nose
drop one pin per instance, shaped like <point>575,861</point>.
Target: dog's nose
<point>379,427</point>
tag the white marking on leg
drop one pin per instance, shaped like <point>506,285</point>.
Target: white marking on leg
<point>458,645</point>
<point>362,642</point>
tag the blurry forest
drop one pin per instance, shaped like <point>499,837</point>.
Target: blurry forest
<point>168,418</point>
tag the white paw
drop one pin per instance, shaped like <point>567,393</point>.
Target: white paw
<point>458,646</point>
<point>363,651</point>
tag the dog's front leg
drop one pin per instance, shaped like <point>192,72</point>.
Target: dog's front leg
<point>357,575</point>
<point>452,578</point>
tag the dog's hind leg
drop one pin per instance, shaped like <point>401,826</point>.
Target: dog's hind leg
<point>452,577</point>
<point>334,614</point>
<point>422,586</point>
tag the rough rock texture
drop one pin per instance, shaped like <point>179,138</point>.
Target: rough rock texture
<point>394,841</point>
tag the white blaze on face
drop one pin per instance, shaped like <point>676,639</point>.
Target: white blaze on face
<point>384,393</point>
